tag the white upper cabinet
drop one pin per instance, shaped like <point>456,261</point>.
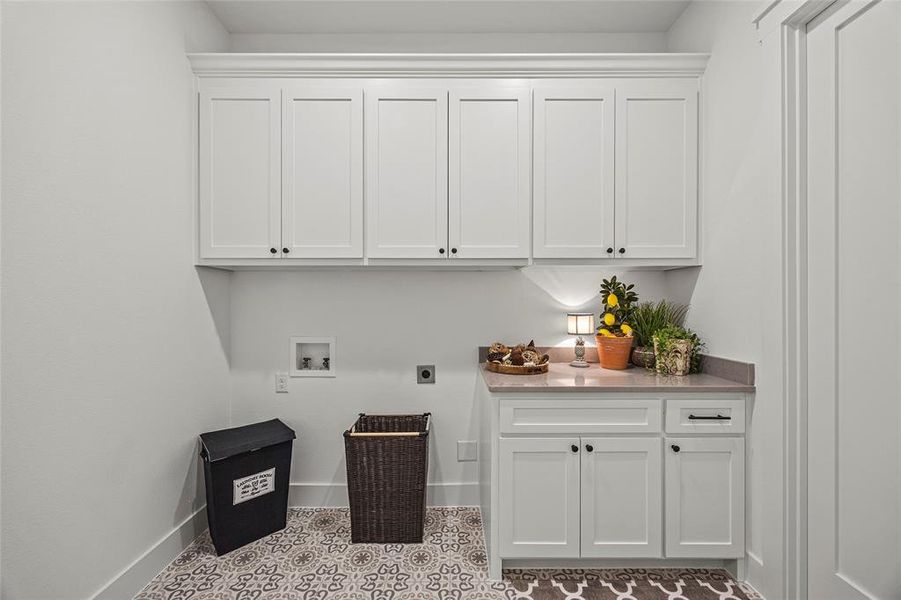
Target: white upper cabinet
<point>238,176</point>
<point>406,172</point>
<point>484,160</point>
<point>657,169</point>
<point>574,171</point>
<point>322,172</point>
<point>489,172</point>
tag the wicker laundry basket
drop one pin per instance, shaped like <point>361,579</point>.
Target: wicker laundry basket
<point>387,473</point>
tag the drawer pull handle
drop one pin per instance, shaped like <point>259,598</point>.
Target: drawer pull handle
<point>704,418</point>
<point>589,448</point>
<point>675,448</point>
<point>574,448</point>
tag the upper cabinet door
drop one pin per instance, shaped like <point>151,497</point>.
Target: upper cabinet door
<point>574,148</point>
<point>657,169</point>
<point>322,172</point>
<point>489,173</point>
<point>239,184</point>
<point>406,172</point>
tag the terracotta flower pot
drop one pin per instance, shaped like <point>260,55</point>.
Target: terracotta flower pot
<point>614,352</point>
<point>643,356</point>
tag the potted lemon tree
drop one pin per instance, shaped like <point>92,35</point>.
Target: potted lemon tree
<point>614,337</point>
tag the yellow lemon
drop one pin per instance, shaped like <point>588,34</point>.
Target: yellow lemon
<point>609,319</point>
<point>612,300</point>
<point>604,332</point>
<point>626,329</point>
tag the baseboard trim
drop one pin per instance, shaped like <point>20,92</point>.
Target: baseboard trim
<point>335,494</point>
<point>747,587</point>
<point>132,579</point>
<point>139,573</point>
<point>753,570</point>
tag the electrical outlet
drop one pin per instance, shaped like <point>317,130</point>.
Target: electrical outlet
<point>281,383</point>
<point>425,373</point>
<point>467,450</point>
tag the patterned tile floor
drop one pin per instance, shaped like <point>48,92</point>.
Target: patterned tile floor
<point>312,558</point>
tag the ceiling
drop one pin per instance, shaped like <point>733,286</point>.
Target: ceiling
<point>447,16</point>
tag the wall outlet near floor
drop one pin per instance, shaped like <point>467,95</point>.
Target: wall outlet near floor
<point>281,383</point>
<point>467,450</point>
<point>425,373</point>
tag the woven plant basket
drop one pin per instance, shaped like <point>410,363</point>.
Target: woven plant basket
<point>387,474</point>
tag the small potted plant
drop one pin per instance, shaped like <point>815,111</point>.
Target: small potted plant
<point>677,351</point>
<point>614,336</point>
<point>647,319</point>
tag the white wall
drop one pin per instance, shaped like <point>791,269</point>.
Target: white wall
<point>387,322</point>
<point>111,360</point>
<point>737,293</point>
<point>448,42</point>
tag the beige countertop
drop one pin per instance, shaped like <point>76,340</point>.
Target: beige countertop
<point>563,378</point>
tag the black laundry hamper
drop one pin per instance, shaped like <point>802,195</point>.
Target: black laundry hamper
<point>387,473</point>
<point>246,471</point>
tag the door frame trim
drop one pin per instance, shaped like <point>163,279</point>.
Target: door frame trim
<point>789,19</point>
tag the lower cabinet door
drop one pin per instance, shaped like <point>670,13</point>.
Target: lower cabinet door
<point>705,497</point>
<point>539,497</point>
<point>622,497</point>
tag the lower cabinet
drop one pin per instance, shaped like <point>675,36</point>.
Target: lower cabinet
<point>705,497</point>
<point>566,497</point>
<point>621,497</point>
<point>539,493</point>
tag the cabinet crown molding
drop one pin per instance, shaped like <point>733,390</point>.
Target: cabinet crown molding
<point>445,65</point>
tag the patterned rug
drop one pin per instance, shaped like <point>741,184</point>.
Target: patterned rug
<point>627,584</point>
<point>313,559</point>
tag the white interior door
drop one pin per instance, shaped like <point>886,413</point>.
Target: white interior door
<point>539,497</point>
<point>238,177</point>
<point>322,172</point>
<point>705,497</point>
<point>854,273</point>
<point>573,172</point>
<point>622,497</point>
<point>489,168</point>
<point>657,169</point>
<point>406,172</point>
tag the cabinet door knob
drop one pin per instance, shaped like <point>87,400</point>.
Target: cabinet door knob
<point>589,447</point>
<point>440,250</point>
<point>285,250</point>
<point>574,448</point>
<point>453,250</point>
<point>675,448</point>
<point>273,251</point>
<point>609,250</point>
<point>622,250</point>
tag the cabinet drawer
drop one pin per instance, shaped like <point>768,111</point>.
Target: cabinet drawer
<point>620,415</point>
<point>713,415</point>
